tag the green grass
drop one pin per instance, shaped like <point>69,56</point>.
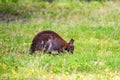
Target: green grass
<point>95,28</point>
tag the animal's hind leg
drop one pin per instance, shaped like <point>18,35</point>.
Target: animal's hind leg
<point>32,48</point>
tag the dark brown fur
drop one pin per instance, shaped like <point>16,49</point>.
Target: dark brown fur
<point>48,41</point>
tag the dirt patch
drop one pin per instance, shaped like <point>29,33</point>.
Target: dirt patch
<point>9,17</point>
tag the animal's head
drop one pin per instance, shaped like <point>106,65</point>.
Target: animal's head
<point>70,47</point>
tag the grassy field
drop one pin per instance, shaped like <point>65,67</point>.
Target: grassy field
<point>95,26</point>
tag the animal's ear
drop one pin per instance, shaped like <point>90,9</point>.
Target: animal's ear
<point>71,42</point>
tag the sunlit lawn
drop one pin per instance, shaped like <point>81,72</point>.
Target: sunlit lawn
<point>95,28</point>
